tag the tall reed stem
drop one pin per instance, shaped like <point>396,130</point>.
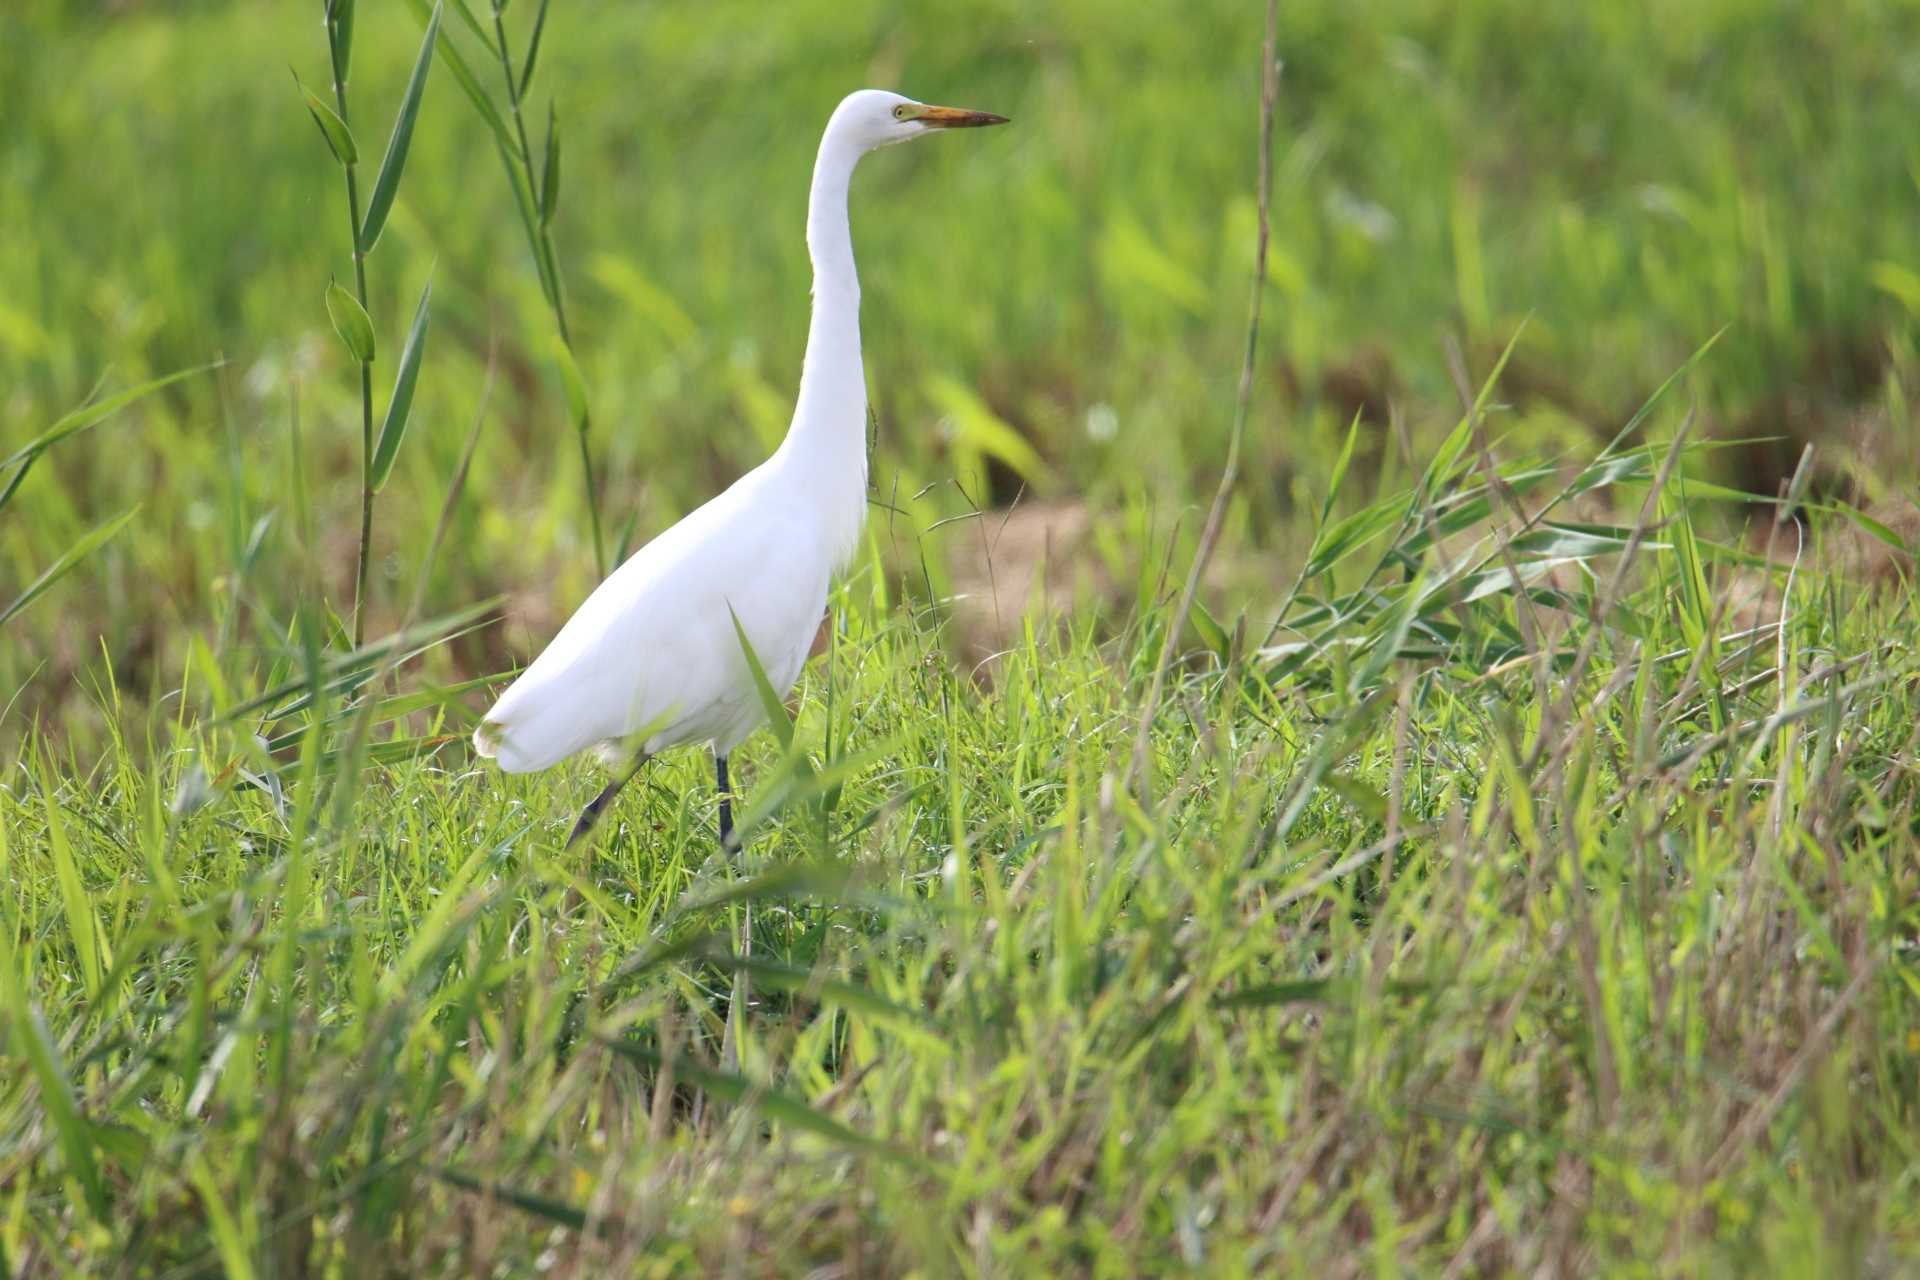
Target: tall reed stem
<point>366,370</point>
<point>548,267</point>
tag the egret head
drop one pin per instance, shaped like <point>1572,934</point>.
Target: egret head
<point>874,118</point>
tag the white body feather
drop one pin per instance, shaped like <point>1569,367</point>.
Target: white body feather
<point>654,646</point>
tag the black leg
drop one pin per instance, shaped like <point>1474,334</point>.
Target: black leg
<point>726,801</point>
<point>591,814</point>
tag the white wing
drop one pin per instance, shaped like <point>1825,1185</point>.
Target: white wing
<point>654,646</point>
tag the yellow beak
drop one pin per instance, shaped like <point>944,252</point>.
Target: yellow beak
<point>956,118</point>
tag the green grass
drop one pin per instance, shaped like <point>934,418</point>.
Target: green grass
<point>1621,978</point>
<point>1520,875</point>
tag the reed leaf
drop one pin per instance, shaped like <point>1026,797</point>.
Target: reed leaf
<point>387,185</point>
<point>550,183</point>
<point>533,48</point>
<point>350,322</point>
<point>340,35</point>
<point>462,71</point>
<point>400,405</point>
<point>333,129</point>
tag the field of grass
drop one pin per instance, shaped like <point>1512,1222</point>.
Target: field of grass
<point>1515,869</point>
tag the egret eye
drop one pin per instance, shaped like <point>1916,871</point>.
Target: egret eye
<point>900,112</point>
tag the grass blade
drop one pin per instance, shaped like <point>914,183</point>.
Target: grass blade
<point>778,717</point>
<point>400,406</point>
<point>387,185</point>
<point>235,1257</point>
<point>1867,524</point>
<point>364,659</point>
<point>848,995</point>
<point>71,557</point>
<point>1305,991</point>
<point>539,1206</point>
<point>1340,469</point>
<point>550,183</point>
<point>779,883</point>
<point>533,49</point>
<point>785,1108</point>
<point>90,415</point>
<point>13,485</point>
<point>70,1127</point>
<point>1212,634</point>
<point>74,904</point>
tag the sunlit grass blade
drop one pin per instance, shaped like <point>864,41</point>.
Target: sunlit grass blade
<point>400,706</point>
<point>781,882</point>
<point>448,918</point>
<point>692,946</point>
<point>235,1257</point>
<point>1441,467</point>
<point>387,184</point>
<point>82,927</point>
<point>29,1038</point>
<point>1351,533</point>
<point>782,1108</point>
<point>779,719</point>
<point>89,415</point>
<point>794,780</point>
<point>847,995</point>
<point>72,556</point>
<point>1212,634</point>
<point>1875,529</point>
<point>1339,475</point>
<point>1661,392</point>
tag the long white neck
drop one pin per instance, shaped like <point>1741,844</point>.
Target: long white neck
<point>826,447</point>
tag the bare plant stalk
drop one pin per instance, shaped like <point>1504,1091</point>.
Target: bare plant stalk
<point>366,370</point>
<point>1216,514</point>
<point>548,264</point>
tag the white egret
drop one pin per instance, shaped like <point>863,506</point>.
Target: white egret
<point>654,648</point>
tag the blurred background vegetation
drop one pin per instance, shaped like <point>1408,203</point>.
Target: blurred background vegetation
<point>1625,178</point>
